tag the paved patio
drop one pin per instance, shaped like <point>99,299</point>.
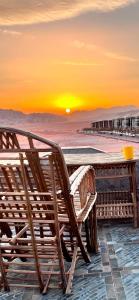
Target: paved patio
<point>112,275</point>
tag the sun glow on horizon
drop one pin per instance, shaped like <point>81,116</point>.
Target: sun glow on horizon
<point>68,110</point>
<point>68,102</point>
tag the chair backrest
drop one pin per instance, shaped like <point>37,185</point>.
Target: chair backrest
<point>33,191</point>
<point>13,141</point>
<point>43,174</point>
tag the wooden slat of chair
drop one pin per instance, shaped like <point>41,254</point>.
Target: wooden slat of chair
<point>79,237</point>
<point>57,229</point>
<point>71,217</point>
<point>35,251</point>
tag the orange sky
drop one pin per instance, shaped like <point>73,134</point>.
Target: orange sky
<point>84,62</point>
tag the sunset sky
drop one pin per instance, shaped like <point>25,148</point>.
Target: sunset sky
<point>78,54</point>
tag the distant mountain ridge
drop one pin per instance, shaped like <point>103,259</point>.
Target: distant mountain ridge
<point>9,117</point>
<point>104,113</point>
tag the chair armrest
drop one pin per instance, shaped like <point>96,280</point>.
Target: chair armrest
<point>77,177</point>
<point>76,173</point>
<point>82,185</point>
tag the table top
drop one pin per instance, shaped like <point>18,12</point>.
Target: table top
<point>97,158</point>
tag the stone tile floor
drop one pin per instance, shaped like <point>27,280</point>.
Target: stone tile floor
<point>112,275</point>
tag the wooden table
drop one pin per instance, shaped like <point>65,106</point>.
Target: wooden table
<point>93,159</point>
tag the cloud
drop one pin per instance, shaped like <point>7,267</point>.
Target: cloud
<point>121,57</point>
<point>79,44</point>
<point>35,11</point>
<point>10,32</point>
<point>110,54</point>
<point>79,63</point>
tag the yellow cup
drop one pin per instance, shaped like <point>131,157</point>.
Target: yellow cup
<point>128,152</point>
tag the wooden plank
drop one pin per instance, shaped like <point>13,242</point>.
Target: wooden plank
<point>113,177</point>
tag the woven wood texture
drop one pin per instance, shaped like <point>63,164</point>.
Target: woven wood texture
<point>122,203</point>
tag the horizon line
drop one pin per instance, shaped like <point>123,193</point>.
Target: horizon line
<point>64,112</point>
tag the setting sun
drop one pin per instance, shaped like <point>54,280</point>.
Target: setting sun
<point>67,102</point>
<point>68,110</point>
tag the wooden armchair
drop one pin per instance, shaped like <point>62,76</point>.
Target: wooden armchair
<point>45,216</point>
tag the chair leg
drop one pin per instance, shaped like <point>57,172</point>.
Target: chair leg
<point>3,274</point>
<point>88,232</point>
<point>71,271</point>
<point>135,210</point>
<point>95,238</point>
<point>91,231</point>
<point>61,261</point>
<point>85,255</point>
<point>46,284</point>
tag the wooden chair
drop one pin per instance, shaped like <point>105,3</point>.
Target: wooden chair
<point>122,202</point>
<point>45,216</point>
<point>116,190</point>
